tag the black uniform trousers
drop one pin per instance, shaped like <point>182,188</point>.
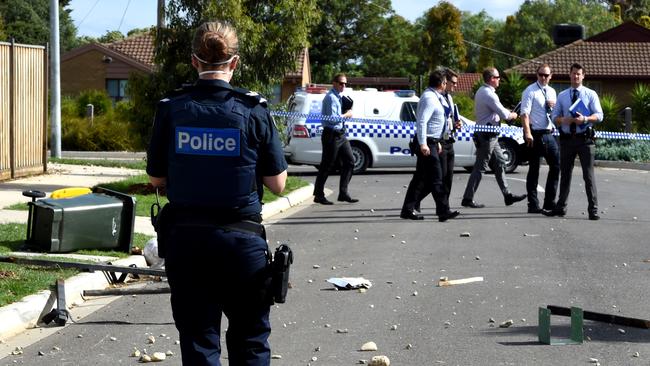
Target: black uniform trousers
<point>335,145</point>
<point>427,178</point>
<point>583,147</point>
<point>214,271</point>
<point>447,159</point>
<point>544,145</point>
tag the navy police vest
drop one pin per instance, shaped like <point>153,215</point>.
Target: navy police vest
<point>211,162</point>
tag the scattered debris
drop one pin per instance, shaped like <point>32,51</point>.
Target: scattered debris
<point>315,266</point>
<point>113,339</point>
<point>136,353</point>
<point>448,282</point>
<point>317,349</point>
<point>415,293</point>
<point>466,234</point>
<point>314,359</point>
<point>635,354</point>
<point>276,357</point>
<point>526,234</point>
<point>80,335</point>
<point>151,339</point>
<point>408,346</point>
<point>491,320</point>
<point>622,331</point>
<point>41,353</point>
<point>477,258</point>
<point>17,351</point>
<point>593,360</point>
<point>393,327</point>
<point>145,359</point>
<point>369,346</point>
<point>506,324</point>
<point>158,356</point>
<point>348,283</point>
<point>342,331</point>
<point>379,361</point>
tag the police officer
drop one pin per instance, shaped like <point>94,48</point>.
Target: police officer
<point>577,139</point>
<point>431,127</point>
<point>537,104</point>
<point>209,146</point>
<point>489,112</point>
<point>335,144</point>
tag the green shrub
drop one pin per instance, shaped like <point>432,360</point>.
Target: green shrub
<point>98,98</point>
<point>611,109</point>
<point>626,150</point>
<point>641,107</point>
<point>465,106</point>
<point>511,88</point>
<point>104,134</point>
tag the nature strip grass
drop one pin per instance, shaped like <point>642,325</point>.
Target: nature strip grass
<point>18,281</point>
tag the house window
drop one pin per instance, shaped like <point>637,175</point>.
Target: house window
<point>116,89</point>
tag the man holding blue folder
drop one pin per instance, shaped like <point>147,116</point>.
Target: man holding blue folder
<point>577,109</point>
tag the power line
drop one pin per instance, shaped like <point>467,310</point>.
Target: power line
<point>87,14</point>
<point>123,15</point>
<point>497,51</point>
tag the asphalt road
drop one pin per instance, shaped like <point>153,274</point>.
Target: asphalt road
<point>527,261</point>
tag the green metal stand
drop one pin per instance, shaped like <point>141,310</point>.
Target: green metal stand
<point>544,328</point>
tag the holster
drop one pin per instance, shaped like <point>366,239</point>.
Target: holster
<point>282,260</point>
<point>161,224</point>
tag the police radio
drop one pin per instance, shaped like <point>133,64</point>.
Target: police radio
<point>282,260</point>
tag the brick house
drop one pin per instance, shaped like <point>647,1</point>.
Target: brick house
<point>614,61</point>
<point>108,66</point>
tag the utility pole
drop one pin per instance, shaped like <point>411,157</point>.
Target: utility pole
<point>55,81</point>
<point>161,22</point>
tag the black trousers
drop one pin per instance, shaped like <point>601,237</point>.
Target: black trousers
<point>585,149</point>
<point>335,145</point>
<point>544,145</point>
<point>447,159</point>
<point>427,178</point>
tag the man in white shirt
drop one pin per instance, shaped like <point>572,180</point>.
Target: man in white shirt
<point>537,104</point>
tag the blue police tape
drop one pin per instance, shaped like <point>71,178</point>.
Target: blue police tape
<point>396,129</point>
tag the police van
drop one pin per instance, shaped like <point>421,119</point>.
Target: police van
<point>379,132</point>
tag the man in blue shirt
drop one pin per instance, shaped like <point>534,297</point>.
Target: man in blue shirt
<point>335,144</point>
<point>577,138</point>
<point>489,112</point>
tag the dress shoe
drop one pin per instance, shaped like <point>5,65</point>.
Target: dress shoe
<point>594,216</point>
<point>347,199</point>
<point>448,215</point>
<point>323,201</point>
<point>512,198</point>
<point>554,212</point>
<point>472,204</point>
<point>534,210</point>
<point>410,216</point>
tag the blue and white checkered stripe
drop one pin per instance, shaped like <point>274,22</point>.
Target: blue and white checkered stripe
<point>365,127</point>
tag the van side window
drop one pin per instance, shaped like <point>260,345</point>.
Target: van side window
<point>408,111</point>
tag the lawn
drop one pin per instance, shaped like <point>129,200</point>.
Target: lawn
<point>18,281</point>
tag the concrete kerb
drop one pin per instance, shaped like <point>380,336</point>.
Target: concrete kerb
<point>24,314</point>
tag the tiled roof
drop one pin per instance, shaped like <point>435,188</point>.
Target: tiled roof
<point>300,62</point>
<point>139,48</point>
<point>602,59</point>
<point>466,81</point>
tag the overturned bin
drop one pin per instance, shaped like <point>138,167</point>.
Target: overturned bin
<point>103,219</point>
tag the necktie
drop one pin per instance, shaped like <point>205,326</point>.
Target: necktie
<point>574,97</point>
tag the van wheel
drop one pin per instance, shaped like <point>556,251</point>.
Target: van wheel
<point>510,153</point>
<point>361,157</point>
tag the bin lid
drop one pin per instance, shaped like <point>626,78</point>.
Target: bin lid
<point>84,201</point>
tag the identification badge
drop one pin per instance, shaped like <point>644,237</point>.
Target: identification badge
<point>207,141</point>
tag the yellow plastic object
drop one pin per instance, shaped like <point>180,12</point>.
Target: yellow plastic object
<point>70,192</point>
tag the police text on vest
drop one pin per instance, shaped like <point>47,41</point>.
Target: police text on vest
<point>207,141</point>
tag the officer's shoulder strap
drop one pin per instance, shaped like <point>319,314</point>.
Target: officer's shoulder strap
<point>178,94</point>
<point>251,96</point>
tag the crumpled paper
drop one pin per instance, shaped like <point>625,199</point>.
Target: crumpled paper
<point>349,283</point>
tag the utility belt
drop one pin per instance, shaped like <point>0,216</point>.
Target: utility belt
<point>536,133</point>
<point>414,145</point>
<point>276,284</point>
<point>588,135</point>
<point>486,134</point>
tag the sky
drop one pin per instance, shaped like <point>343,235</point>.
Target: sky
<point>95,17</point>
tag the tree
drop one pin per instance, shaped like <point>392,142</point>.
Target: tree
<point>272,33</point>
<point>486,55</point>
<point>390,52</point>
<point>27,21</point>
<point>442,39</point>
<point>473,27</point>
<point>346,34</point>
<point>111,36</point>
<point>528,33</point>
